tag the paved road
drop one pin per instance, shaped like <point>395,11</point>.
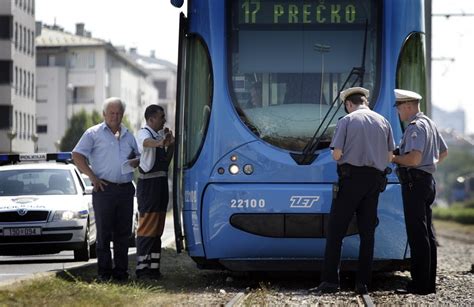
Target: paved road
<point>14,268</point>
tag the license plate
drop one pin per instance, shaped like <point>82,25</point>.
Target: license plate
<point>22,231</point>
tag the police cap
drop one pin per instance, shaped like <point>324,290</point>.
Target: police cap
<point>354,90</point>
<point>402,96</point>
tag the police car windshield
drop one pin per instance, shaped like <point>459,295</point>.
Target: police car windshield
<point>21,182</point>
<point>289,59</point>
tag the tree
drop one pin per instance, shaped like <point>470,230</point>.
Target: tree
<point>80,122</point>
<point>78,125</point>
<point>460,162</point>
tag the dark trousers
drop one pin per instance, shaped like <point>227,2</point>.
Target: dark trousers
<point>152,196</point>
<point>113,210</point>
<point>357,194</point>
<point>417,200</point>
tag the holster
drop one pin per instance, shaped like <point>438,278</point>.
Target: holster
<point>384,182</point>
<point>343,171</point>
<point>404,175</point>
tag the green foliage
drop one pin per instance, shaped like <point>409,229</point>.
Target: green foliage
<point>127,124</point>
<point>96,118</point>
<point>459,162</point>
<point>80,122</point>
<point>459,212</point>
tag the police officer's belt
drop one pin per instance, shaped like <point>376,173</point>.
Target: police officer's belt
<point>152,175</point>
<point>346,167</point>
<point>407,175</point>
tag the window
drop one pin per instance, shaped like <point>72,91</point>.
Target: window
<point>20,38</point>
<point>24,39</point>
<point>6,72</point>
<point>42,129</point>
<point>16,80</point>
<point>28,40</point>
<point>23,127</point>
<point>84,94</point>
<point>6,27</point>
<point>161,86</point>
<point>28,126</point>
<point>197,98</point>
<point>20,79</point>
<point>287,68</point>
<point>16,35</point>
<point>28,84</point>
<point>24,83</point>
<point>6,117</point>
<point>411,68</point>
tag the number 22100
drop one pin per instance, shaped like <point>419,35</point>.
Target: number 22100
<point>247,203</point>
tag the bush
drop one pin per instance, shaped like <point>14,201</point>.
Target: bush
<point>456,214</point>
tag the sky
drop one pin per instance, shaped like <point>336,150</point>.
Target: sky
<point>153,25</point>
<point>145,24</point>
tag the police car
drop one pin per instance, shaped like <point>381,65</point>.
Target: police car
<point>45,207</point>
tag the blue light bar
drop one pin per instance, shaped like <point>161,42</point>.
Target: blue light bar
<point>9,158</point>
<point>65,157</point>
<point>60,156</point>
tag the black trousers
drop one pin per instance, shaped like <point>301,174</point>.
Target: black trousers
<point>113,210</point>
<point>358,194</point>
<point>152,196</point>
<point>417,200</point>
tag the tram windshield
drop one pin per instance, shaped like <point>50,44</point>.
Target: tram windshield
<point>289,59</point>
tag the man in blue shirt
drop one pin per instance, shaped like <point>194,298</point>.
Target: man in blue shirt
<point>421,148</point>
<point>362,146</point>
<point>107,146</point>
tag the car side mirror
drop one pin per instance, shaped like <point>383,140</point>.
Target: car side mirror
<point>177,3</point>
<point>88,190</point>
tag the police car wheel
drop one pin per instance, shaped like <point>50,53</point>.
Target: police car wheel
<point>83,253</point>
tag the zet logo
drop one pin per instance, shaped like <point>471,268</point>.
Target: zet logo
<point>303,201</point>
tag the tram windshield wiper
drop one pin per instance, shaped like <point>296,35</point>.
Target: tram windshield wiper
<point>307,156</point>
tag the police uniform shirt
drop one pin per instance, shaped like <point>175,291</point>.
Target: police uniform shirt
<point>147,158</point>
<point>365,138</point>
<point>423,136</point>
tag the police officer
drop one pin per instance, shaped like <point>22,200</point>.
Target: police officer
<point>421,148</point>
<point>156,147</point>
<point>362,146</point>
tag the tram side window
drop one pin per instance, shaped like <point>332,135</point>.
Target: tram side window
<point>197,104</point>
<point>411,69</point>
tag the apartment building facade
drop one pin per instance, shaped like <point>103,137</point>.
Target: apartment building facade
<point>78,72</point>
<point>17,76</point>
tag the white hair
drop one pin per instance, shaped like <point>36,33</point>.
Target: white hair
<point>113,100</point>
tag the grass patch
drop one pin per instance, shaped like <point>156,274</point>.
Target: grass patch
<point>182,283</point>
<point>60,292</point>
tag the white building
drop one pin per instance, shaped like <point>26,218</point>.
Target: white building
<point>164,75</point>
<point>17,76</point>
<point>75,72</point>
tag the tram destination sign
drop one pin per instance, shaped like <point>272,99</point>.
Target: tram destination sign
<point>281,12</point>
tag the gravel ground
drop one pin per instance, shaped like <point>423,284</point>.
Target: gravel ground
<point>455,284</point>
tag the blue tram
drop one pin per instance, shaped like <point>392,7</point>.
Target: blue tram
<point>258,101</point>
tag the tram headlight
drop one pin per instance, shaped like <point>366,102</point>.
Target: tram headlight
<point>233,158</point>
<point>248,169</point>
<point>234,169</point>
